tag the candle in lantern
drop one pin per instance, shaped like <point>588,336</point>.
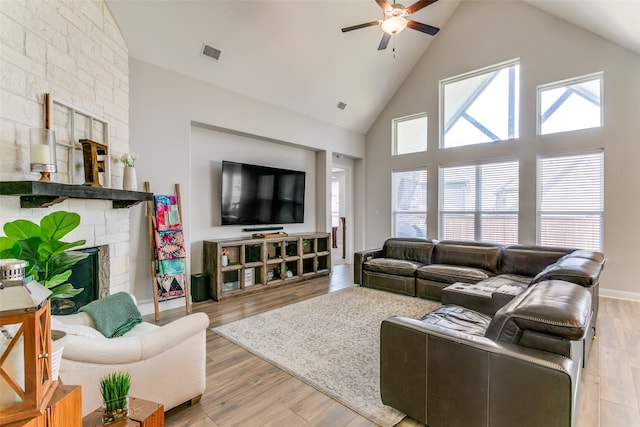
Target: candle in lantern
<point>40,154</point>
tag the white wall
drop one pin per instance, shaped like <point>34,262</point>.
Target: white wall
<point>73,50</point>
<point>483,33</point>
<point>208,149</point>
<point>164,108</point>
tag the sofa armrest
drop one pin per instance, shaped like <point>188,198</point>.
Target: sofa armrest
<point>172,334</point>
<point>536,356</point>
<point>134,348</point>
<point>580,267</point>
<point>359,258</point>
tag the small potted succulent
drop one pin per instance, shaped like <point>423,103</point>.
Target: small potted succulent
<point>114,389</point>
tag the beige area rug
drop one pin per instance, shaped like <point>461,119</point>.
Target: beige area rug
<point>331,342</point>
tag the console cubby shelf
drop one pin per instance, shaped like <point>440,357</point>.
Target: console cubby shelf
<point>259,264</point>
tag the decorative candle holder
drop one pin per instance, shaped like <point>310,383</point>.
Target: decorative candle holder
<point>43,152</point>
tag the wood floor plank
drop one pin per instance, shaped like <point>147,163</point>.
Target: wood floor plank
<point>616,382</point>
<point>615,415</point>
<point>243,389</point>
<point>588,412</point>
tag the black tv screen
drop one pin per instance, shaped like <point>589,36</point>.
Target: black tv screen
<point>255,195</point>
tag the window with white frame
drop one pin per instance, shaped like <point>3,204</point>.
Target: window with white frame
<point>409,203</point>
<point>570,105</point>
<point>410,134</point>
<point>481,106</point>
<point>570,200</point>
<point>480,202</point>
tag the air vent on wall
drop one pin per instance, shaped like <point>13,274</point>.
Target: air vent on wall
<point>210,52</point>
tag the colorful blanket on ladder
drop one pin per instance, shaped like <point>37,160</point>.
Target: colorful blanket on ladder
<point>167,213</point>
<point>170,252</point>
<point>170,245</point>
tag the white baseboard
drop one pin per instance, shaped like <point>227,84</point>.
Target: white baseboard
<point>612,293</point>
<point>147,307</point>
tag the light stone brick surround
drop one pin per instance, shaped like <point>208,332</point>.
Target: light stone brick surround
<point>74,50</point>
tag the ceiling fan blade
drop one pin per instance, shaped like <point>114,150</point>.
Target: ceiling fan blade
<point>384,42</point>
<point>419,5</point>
<point>428,29</point>
<point>357,27</point>
<point>384,5</point>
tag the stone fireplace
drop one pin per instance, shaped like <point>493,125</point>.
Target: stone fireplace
<point>85,66</point>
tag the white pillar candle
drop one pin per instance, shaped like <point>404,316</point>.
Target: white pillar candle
<point>40,154</point>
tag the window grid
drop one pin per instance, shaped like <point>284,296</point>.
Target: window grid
<point>570,200</point>
<point>571,104</point>
<point>410,134</point>
<point>481,106</point>
<point>409,203</point>
<point>480,202</point>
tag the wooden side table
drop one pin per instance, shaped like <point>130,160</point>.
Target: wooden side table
<point>143,413</point>
<point>64,409</point>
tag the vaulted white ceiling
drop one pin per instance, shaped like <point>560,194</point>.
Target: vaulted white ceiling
<point>292,53</point>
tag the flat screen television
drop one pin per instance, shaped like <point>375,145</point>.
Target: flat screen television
<point>261,195</point>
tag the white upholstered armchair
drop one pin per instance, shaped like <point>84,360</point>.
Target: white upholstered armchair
<point>166,363</point>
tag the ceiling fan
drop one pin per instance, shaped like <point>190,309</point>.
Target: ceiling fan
<point>395,20</point>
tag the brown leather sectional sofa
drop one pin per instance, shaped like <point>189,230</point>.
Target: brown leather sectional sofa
<point>460,368</point>
<point>421,267</point>
<point>507,346</point>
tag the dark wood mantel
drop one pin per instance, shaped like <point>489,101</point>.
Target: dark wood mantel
<point>40,194</point>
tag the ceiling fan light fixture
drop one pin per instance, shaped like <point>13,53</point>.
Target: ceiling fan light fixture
<point>394,25</point>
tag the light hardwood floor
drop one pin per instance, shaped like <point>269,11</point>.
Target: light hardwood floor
<point>244,390</point>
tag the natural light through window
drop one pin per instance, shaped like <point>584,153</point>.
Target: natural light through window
<point>570,201</point>
<point>570,105</point>
<point>480,202</point>
<point>482,106</point>
<point>409,198</point>
<point>410,134</point>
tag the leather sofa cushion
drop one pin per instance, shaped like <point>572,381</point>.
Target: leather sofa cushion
<point>592,255</point>
<point>452,273</point>
<point>495,283</point>
<point>459,319</point>
<point>529,260</point>
<point>485,256</point>
<point>419,250</point>
<point>573,268</point>
<point>399,267</point>
<point>553,307</point>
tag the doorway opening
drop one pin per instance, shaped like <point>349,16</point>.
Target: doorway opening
<point>339,193</point>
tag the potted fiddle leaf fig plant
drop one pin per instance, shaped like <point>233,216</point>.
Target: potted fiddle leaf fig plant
<point>50,259</point>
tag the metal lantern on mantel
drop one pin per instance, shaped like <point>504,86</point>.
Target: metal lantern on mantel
<point>26,386</point>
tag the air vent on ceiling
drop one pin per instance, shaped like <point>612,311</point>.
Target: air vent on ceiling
<point>342,105</point>
<point>210,52</point>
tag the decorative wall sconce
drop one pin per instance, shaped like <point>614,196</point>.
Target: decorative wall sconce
<point>43,152</point>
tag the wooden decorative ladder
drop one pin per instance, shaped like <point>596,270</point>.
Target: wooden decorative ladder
<point>153,225</point>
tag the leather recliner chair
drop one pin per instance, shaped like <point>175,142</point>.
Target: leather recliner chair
<point>458,367</point>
